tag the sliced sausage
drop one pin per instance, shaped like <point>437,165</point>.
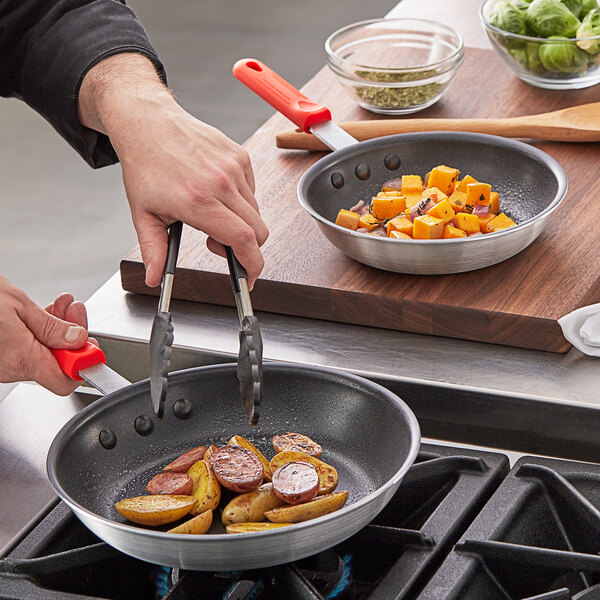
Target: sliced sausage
<point>296,442</point>
<point>393,184</point>
<point>236,468</point>
<point>171,483</point>
<point>185,461</point>
<point>296,482</point>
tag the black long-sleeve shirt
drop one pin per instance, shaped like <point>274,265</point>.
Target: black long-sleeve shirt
<point>47,47</point>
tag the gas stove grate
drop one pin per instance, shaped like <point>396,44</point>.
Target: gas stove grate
<point>537,538</point>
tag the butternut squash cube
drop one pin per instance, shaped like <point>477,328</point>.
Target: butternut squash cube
<point>411,183</point>
<point>387,206</point>
<point>461,186</point>
<point>442,210</point>
<point>368,221</point>
<point>502,221</point>
<point>483,221</point>
<point>458,201</point>
<point>494,203</point>
<point>467,222</point>
<point>401,224</point>
<point>428,228</point>
<point>412,198</point>
<point>443,178</point>
<point>398,235</point>
<point>478,193</point>
<point>451,232</point>
<point>347,219</point>
<point>435,194</point>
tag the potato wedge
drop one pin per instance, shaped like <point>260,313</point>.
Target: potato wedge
<point>207,489</point>
<point>322,505</point>
<point>251,506</point>
<point>328,477</point>
<point>296,442</point>
<point>197,525</point>
<point>209,451</point>
<point>250,527</point>
<point>238,440</point>
<point>156,509</point>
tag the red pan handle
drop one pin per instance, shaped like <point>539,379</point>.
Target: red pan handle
<point>73,361</point>
<point>280,94</point>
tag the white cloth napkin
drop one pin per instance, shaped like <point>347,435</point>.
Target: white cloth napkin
<point>582,328</point>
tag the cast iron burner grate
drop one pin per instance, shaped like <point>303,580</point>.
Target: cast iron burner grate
<point>393,557</point>
<point>538,538</point>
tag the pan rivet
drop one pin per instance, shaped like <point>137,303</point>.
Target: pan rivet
<point>392,161</point>
<point>108,439</point>
<point>144,425</point>
<point>182,409</point>
<point>363,171</point>
<point>337,180</point>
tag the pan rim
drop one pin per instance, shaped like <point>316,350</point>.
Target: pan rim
<point>415,441</point>
<point>553,164</point>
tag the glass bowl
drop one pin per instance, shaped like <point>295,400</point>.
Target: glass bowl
<point>395,66</point>
<point>531,58</point>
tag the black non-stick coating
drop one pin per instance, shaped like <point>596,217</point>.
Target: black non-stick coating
<point>366,431</point>
<point>526,178</point>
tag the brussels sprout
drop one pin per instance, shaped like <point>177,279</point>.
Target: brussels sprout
<point>586,6</point>
<point>508,17</point>
<point>533,57</point>
<point>590,26</point>
<point>528,56</point>
<point>574,6</point>
<point>551,18</point>
<point>563,57</point>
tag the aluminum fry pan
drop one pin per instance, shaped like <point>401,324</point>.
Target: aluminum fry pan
<point>367,433</point>
<point>531,183</point>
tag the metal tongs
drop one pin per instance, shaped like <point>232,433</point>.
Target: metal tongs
<point>250,356</point>
<point>161,338</point>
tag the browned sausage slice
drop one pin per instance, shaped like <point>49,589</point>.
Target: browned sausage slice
<point>296,442</point>
<point>186,460</point>
<point>236,468</point>
<point>296,482</point>
<point>171,483</point>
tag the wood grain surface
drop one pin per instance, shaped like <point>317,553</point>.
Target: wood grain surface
<point>516,303</point>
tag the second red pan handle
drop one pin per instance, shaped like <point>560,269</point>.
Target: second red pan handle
<point>73,361</point>
<point>280,94</point>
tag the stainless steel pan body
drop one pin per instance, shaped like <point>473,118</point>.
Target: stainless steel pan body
<point>367,433</point>
<point>531,184</point>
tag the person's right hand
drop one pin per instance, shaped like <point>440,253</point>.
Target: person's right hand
<point>27,331</point>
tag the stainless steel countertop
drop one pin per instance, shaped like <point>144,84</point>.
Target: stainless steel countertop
<point>208,334</point>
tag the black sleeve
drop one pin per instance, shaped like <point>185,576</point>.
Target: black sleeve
<point>47,47</point>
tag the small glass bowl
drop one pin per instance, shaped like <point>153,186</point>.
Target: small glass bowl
<point>522,54</point>
<point>395,66</point>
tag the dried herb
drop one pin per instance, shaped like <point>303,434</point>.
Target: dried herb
<point>397,97</point>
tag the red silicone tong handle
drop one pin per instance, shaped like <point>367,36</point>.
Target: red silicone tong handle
<point>280,94</point>
<point>73,361</point>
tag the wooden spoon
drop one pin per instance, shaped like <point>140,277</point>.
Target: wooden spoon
<point>575,124</point>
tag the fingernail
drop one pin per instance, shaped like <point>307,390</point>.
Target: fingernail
<point>72,334</point>
<point>148,271</point>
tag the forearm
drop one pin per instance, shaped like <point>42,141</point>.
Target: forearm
<point>117,90</point>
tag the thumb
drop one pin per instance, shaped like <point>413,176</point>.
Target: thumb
<point>152,236</point>
<point>52,331</point>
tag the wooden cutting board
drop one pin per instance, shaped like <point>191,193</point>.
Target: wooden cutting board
<point>516,302</point>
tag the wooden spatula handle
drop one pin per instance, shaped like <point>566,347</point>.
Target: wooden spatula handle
<point>513,127</point>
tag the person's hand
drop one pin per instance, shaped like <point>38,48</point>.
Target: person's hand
<point>28,331</point>
<point>175,167</point>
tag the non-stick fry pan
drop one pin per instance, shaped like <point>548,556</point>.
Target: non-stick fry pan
<point>531,183</point>
<point>112,448</point>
